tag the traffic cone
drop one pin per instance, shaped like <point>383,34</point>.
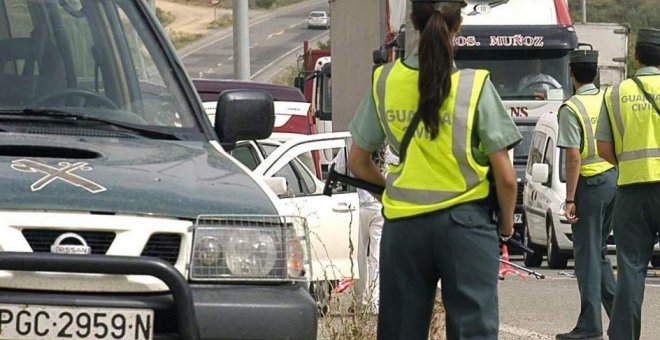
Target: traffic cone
<point>505,268</point>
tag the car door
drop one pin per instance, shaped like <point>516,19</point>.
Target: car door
<point>333,220</point>
<point>534,210</point>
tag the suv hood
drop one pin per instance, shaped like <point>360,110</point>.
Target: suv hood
<point>124,176</point>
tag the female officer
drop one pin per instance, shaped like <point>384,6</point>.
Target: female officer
<point>437,226</point>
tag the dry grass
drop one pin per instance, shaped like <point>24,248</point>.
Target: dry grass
<point>286,76</point>
<point>181,39</point>
<point>264,4</point>
<point>223,20</point>
<point>165,17</point>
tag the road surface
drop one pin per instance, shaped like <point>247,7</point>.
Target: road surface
<point>275,40</point>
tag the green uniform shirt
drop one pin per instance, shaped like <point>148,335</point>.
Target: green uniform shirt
<point>604,128</point>
<point>495,128</point>
<point>570,130</point>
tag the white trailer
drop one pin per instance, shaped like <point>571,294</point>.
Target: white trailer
<point>611,41</point>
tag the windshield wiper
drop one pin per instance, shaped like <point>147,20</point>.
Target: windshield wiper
<point>74,116</point>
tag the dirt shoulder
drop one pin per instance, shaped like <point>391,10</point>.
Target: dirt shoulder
<point>191,19</point>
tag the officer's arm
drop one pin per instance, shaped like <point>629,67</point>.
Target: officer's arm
<point>506,185</point>
<point>361,165</point>
<point>606,151</point>
<point>573,163</point>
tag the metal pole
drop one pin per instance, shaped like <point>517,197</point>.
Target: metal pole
<point>584,11</point>
<point>241,40</point>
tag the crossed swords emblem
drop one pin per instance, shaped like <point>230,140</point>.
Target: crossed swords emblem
<point>63,173</point>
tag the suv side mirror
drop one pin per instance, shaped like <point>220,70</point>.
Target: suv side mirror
<point>540,173</point>
<point>243,114</point>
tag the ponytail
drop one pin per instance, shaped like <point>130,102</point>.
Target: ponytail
<point>436,59</point>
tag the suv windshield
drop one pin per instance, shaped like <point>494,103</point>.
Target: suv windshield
<point>93,57</point>
<point>521,74</point>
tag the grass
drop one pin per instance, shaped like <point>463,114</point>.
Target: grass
<point>224,20</point>
<point>181,39</point>
<point>165,18</point>
<point>286,76</point>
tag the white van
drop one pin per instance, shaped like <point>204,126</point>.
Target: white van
<point>544,193</point>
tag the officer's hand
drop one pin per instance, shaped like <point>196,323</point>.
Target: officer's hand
<point>569,212</point>
<point>505,228</point>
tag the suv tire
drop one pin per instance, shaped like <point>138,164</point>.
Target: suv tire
<point>555,259</point>
<point>321,291</point>
<point>531,260</point>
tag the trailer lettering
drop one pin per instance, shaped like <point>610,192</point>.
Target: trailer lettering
<point>469,41</point>
<point>519,111</point>
<point>516,40</point>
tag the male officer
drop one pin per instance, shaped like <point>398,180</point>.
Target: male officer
<point>590,190</point>
<point>629,135</point>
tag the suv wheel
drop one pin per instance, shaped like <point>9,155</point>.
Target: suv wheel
<point>531,260</point>
<point>555,259</point>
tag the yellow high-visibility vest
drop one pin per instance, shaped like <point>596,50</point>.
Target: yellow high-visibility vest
<point>436,174</point>
<point>587,109</point>
<point>636,130</point>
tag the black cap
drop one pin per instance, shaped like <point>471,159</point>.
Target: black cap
<point>649,36</point>
<point>583,56</point>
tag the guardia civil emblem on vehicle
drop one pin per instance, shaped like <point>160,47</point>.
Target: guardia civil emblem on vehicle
<point>64,172</point>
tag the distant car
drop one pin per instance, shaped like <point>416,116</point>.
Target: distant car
<point>318,19</point>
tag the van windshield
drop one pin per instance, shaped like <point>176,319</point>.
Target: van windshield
<point>93,57</point>
<point>521,74</point>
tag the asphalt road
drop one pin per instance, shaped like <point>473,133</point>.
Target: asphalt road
<point>274,37</point>
<point>530,308</point>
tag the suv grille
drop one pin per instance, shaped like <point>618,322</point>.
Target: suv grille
<point>40,240</point>
<point>164,246</point>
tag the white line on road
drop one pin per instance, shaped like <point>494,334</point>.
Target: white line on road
<point>256,22</point>
<point>270,36</point>
<point>254,45</point>
<point>524,333</point>
<point>280,58</point>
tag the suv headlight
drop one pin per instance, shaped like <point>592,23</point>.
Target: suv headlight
<point>272,248</point>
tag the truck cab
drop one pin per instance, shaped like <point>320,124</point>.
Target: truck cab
<point>525,45</point>
<point>123,216</point>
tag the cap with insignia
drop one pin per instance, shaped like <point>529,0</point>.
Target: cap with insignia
<point>583,56</point>
<point>648,36</point>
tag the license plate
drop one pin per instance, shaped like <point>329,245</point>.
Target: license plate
<point>517,218</point>
<point>36,322</point>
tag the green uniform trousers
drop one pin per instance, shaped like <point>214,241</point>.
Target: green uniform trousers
<point>636,223</point>
<point>594,201</point>
<point>458,246</point>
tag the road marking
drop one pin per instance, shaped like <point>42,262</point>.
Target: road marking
<point>524,333</point>
<point>280,58</point>
<point>230,58</point>
<point>256,22</point>
<point>270,36</point>
<point>219,64</point>
<point>254,45</point>
<point>294,25</point>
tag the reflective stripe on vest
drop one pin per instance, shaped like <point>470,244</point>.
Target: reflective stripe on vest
<point>591,164</point>
<point>636,130</point>
<point>419,195</point>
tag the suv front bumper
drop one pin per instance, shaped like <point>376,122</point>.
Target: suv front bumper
<point>188,311</point>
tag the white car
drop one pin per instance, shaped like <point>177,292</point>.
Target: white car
<point>318,19</point>
<point>544,194</point>
<point>333,220</point>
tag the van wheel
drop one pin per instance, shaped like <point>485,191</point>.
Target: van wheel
<point>555,259</point>
<point>655,261</point>
<point>321,291</point>
<point>531,260</point>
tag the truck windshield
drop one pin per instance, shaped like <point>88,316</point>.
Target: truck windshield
<point>521,74</point>
<point>93,57</point>
<point>521,151</point>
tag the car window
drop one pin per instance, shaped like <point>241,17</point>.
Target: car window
<point>247,155</point>
<point>535,152</point>
<point>306,179</point>
<point>293,180</point>
<point>93,57</point>
<point>549,158</point>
